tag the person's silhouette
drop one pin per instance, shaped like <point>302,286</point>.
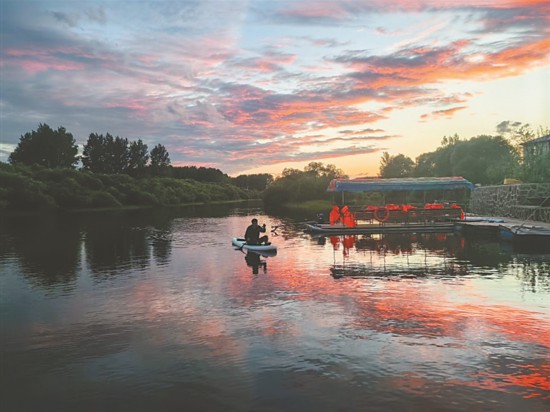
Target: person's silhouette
<point>253,260</point>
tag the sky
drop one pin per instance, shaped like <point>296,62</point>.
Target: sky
<point>257,86</point>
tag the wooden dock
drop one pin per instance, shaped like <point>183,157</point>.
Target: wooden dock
<point>531,236</point>
<point>491,225</point>
<point>322,229</point>
<point>531,232</point>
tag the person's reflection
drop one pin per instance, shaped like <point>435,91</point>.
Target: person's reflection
<point>253,260</point>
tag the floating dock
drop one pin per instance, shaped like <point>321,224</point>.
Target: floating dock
<point>491,225</point>
<point>520,232</point>
<point>507,229</point>
<point>325,229</point>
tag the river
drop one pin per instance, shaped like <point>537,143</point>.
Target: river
<point>155,310</point>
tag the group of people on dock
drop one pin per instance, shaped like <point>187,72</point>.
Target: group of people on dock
<point>343,215</point>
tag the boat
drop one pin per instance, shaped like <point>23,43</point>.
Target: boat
<point>525,233</point>
<point>326,229</point>
<point>265,250</point>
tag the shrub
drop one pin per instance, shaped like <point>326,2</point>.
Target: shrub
<point>23,193</point>
<point>140,198</point>
<point>104,199</point>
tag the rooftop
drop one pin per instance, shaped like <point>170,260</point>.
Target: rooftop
<point>539,140</point>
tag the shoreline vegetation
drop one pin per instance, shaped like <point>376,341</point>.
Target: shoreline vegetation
<point>119,174</point>
<point>129,208</point>
<point>45,173</point>
<point>26,189</point>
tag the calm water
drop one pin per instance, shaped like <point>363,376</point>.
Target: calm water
<point>149,311</point>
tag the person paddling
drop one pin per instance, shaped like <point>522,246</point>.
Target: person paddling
<point>252,235</point>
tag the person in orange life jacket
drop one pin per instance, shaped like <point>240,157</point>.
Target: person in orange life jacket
<point>252,234</point>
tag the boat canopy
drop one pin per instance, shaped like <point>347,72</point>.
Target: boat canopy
<point>399,184</point>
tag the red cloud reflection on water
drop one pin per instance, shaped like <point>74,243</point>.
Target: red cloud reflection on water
<point>410,309</point>
<point>532,382</point>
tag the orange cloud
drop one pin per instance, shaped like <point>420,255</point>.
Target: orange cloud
<point>442,113</point>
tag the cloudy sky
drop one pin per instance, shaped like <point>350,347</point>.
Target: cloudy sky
<point>253,86</point>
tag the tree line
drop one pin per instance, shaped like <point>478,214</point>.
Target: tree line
<point>481,159</point>
<point>107,154</point>
<point>116,171</point>
<point>102,154</point>
<point>42,174</point>
<point>33,188</point>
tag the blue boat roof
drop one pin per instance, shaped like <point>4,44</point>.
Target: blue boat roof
<point>399,184</point>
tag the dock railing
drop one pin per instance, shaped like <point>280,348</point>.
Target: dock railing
<point>383,215</point>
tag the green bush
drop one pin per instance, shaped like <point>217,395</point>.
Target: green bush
<point>89,181</point>
<point>23,193</point>
<point>537,170</point>
<point>140,198</point>
<point>104,199</point>
<point>69,194</point>
<point>276,195</point>
<point>36,187</point>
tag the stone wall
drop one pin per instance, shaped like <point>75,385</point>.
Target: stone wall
<point>528,201</point>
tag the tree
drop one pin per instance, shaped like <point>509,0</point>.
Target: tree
<point>137,158</point>
<point>210,174</point>
<point>254,182</point>
<point>106,154</point>
<point>201,174</point>
<point>160,159</point>
<point>384,160</point>
<point>46,147</point>
<point>396,166</point>
<point>450,140</point>
<point>537,170</point>
<point>437,163</point>
<point>516,132</point>
<point>484,159</point>
<point>290,172</point>
<point>94,155</point>
<point>119,154</point>
<point>318,169</point>
<point>297,186</point>
<point>425,165</point>
<point>543,131</point>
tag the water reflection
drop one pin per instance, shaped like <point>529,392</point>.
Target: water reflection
<point>254,261</point>
<point>163,313</point>
<point>47,250</point>
<point>161,243</point>
<point>421,255</point>
<point>112,245</point>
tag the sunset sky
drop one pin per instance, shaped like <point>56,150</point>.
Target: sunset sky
<point>255,86</point>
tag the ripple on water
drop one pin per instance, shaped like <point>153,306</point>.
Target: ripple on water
<point>171,317</point>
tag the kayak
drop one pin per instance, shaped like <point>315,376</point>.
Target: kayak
<point>240,243</point>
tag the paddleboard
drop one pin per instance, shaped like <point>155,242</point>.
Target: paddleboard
<point>240,243</point>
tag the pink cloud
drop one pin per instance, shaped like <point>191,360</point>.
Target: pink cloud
<point>34,62</point>
<point>442,113</point>
<point>316,10</point>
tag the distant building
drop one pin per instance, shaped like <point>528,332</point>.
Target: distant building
<point>536,147</point>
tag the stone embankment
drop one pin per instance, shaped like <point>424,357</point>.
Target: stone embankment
<point>527,201</point>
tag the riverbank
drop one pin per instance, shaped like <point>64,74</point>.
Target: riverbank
<point>38,189</point>
<point>129,208</point>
